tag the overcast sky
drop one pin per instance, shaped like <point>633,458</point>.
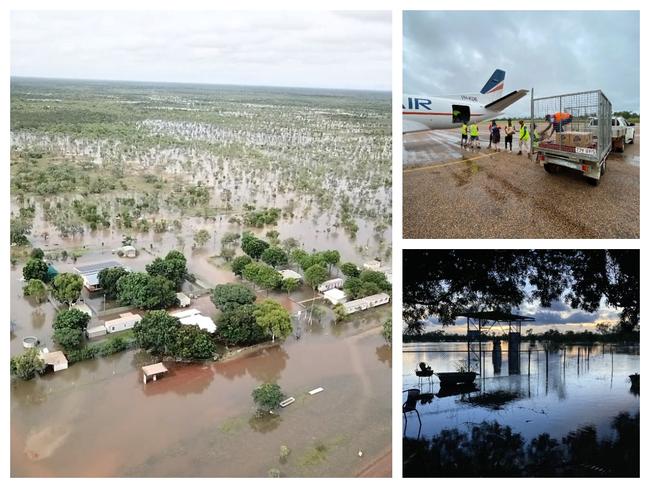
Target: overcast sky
<point>554,52</point>
<point>310,49</point>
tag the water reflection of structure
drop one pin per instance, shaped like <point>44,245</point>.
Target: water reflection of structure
<point>480,323</point>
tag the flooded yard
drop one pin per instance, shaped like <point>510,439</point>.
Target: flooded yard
<point>98,419</point>
<point>580,386</point>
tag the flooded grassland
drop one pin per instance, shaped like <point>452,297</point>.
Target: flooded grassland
<point>93,163</point>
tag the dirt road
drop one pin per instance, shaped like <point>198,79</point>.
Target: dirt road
<point>454,193</point>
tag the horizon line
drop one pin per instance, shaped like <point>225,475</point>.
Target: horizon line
<point>378,90</point>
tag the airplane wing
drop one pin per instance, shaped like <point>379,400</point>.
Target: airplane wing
<point>413,126</point>
<point>502,103</point>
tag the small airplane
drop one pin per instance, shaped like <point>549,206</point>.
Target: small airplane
<point>448,112</point>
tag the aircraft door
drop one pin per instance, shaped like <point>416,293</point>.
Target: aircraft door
<point>460,114</point>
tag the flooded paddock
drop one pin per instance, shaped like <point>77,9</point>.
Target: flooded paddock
<point>98,419</point>
<point>579,386</point>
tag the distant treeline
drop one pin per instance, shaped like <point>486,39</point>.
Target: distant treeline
<point>551,335</point>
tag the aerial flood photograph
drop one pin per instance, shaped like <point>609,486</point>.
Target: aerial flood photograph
<point>498,144</point>
<point>200,278</point>
<point>521,363</point>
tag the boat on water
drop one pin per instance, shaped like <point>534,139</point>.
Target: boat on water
<point>455,378</point>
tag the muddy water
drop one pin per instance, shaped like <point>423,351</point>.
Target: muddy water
<point>98,419</point>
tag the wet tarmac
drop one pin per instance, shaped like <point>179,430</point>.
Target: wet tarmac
<point>449,192</point>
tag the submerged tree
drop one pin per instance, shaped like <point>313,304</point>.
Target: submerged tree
<point>267,396</point>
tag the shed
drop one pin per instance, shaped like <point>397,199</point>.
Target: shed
<point>374,265</point>
<point>289,273</point>
<point>97,331</point>
<point>335,296</point>
<point>330,284</point>
<point>124,322</point>
<point>183,300</point>
<point>152,371</point>
<point>55,359</point>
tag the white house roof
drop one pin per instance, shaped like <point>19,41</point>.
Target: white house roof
<point>124,318</point>
<point>201,321</point>
<point>334,294</point>
<point>83,308</point>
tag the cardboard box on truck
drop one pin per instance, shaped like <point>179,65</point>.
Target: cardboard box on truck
<point>573,138</point>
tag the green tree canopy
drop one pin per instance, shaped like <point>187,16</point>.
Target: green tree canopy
<point>35,269</point>
<point>274,256</point>
<point>239,263</point>
<point>315,275</point>
<point>262,275</point>
<point>201,237</point>
<point>350,270</point>
<point>238,326</point>
<point>26,365</point>
<point>145,291</point>
<point>274,319</point>
<point>231,295</point>
<point>156,332</point>
<point>71,319</point>
<point>108,279</point>
<point>66,287</point>
<point>253,246</point>
<point>69,339</point>
<point>173,267</point>
<point>444,283</point>
<point>290,284</point>
<point>193,343</point>
<point>267,396</point>
<point>35,289</point>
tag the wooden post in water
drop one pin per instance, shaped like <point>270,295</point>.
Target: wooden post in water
<point>529,350</point>
<point>578,360</point>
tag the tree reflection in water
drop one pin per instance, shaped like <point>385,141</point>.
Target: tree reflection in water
<point>491,449</point>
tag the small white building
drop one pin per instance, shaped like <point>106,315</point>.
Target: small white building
<point>98,331</point>
<point>330,284</point>
<point>195,317</point>
<point>55,359</point>
<point>83,308</point>
<point>127,251</point>
<point>366,303</point>
<point>124,322</point>
<point>289,273</point>
<point>373,265</point>
<point>183,300</point>
<point>335,296</point>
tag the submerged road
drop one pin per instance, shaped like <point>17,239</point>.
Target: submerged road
<point>449,192</point>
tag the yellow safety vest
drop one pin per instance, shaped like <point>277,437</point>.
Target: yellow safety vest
<point>473,130</point>
<point>463,129</point>
<point>523,133</point>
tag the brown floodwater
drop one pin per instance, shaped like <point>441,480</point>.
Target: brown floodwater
<point>98,419</point>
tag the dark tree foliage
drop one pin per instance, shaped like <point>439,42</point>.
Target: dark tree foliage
<point>493,450</point>
<point>35,269</point>
<point>173,267</point>
<point>108,279</point>
<point>239,263</point>
<point>253,246</point>
<point>71,319</point>
<point>156,332</point>
<point>193,344</point>
<point>231,295</point>
<point>445,283</point>
<point>238,326</point>
<point>145,291</point>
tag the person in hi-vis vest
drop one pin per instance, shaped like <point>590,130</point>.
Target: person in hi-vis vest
<point>524,138</point>
<point>473,135</point>
<point>463,135</point>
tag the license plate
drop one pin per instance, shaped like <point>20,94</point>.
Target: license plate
<point>586,150</point>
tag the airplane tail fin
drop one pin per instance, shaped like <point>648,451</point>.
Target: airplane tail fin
<point>493,88</point>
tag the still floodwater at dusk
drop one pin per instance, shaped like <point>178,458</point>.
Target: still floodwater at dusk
<point>578,387</point>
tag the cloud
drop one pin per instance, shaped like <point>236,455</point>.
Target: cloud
<point>314,49</point>
<point>554,52</point>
